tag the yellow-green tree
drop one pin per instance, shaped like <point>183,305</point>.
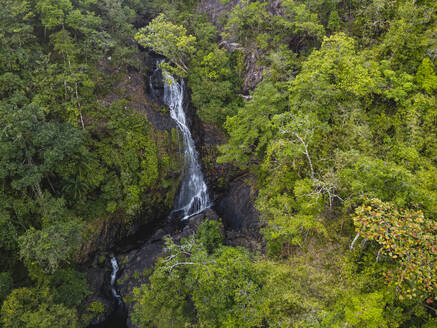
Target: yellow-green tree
<point>169,40</point>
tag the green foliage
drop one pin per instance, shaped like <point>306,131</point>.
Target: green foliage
<point>6,285</point>
<point>70,287</point>
<point>232,288</point>
<point>96,308</point>
<point>132,159</point>
<point>53,13</point>
<point>251,129</point>
<point>363,310</point>
<point>291,219</point>
<point>210,235</point>
<point>16,306</point>
<point>8,235</point>
<point>28,308</point>
<point>334,21</point>
<point>384,180</point>
<point>227,291</point>
<point>165,302</point>
<point>426,77</point>
<point>56,316</point>
<point>247,20</point>
<point>357,123</point>
<point>33,147</point>
<point>214,84</point>
<point>168,40</point>
<point>302,24</point>
<point>223,289</point>
<point>408,35</point>
<point>50,247</point>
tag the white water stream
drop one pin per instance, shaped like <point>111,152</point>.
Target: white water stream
<point>193,194</point>
<point>113,278</point>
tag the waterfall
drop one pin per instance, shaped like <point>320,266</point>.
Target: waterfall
<point>113,278</point>
<point>193,194</point>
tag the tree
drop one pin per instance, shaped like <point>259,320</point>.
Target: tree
<point>226,291</point>
<point>53,13</point>
<point>426,77</point>
<point>32,147</point>
<point>248,20</point>
<point>408,238</point>
<point>18,46</point>
<point>334,21</point>
<point>15,307</point>
<point>251,129</point>
<point>52,246</point>
<point>8,243</point>
<point>8,235</point>
<point>165,302</point>
<point>214,83</point>
<point>302,24</point>
<point>30,308</point>
<point>408,37</point>
<point>210,235</point>
<point>69,287</point>
<point>52,316</point>
<point>188,286</point>
<point>360,310</point>
<point>168,40</point>
<point>6,285</point>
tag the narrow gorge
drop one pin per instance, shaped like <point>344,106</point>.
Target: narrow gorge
<point>136,254</point>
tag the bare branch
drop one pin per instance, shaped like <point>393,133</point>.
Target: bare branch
<point>182,263</point>
<point>379,253</point>
<point>306,153</point>
<point>354,241</point>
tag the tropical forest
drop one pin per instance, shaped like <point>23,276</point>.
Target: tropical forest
<point>218,164</point>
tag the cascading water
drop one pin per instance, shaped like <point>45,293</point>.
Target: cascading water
<point>113,278</point>
<point>193,195</point>
<point>117,318</point>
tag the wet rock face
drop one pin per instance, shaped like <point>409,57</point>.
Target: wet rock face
<point>155,86</point>
<point>98,271</point>
<point>254,72</point>
<point>240,217</point>
<point>136,86</point>
<point>108,232</point>
<point>232,196</point>
<point>217,175</point>
<point>212,135</point>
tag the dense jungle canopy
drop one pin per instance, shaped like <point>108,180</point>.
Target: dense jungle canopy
<point>328,106</point>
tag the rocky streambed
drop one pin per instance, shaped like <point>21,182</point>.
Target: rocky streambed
<point>137,249</point>
<point>136,258</point>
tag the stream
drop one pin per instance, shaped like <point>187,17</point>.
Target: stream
<point>193,193</point>
<point>192,197</point>
<point>114,272</point>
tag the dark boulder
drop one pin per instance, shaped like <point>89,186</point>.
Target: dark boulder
<point>98,272</point>
<point>237,210</point>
